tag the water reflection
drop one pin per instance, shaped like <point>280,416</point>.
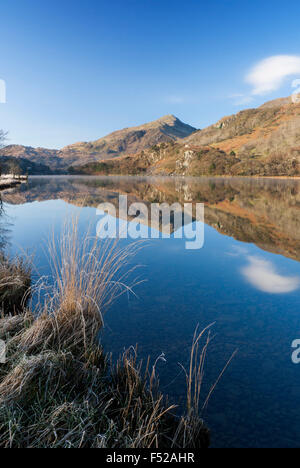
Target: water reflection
<point>237,280</point>
<point>4,228</point>
<point>261,211</point>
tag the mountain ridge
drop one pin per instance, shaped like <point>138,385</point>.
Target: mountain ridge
<point>132,140</point>
<point>258,141</point>
<point>263,141</point>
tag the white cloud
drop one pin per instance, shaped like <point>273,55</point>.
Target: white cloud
<point>264,277</point>
<point>269,74</point>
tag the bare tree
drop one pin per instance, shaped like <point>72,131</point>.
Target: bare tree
<point>2,140</point>
<point>2,137</point>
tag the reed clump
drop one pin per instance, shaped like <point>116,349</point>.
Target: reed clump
<point>58,388</point>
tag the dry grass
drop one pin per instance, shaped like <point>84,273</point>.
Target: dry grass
<point>58,389</point>
<point>88,276</point>
<point>88,269</point>
<point>15,279</point>
<point>189,427</point>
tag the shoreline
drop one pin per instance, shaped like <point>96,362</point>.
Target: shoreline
<point>225,176</point>
<point>9,183</point>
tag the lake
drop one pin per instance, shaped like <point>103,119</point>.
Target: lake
<point>246,279</point>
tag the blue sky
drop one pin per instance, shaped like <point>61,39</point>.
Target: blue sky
<point>77,70</point>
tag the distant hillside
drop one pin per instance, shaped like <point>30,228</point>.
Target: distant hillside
<point>21,166</point>
<point>164,159</point>
<point>263,141</point>
<point>42,157</point>
<point>270,130</point>
<point>129,140</point>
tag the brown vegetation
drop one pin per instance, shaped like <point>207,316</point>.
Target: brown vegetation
<point>59,390</point>
<point>15,279</point>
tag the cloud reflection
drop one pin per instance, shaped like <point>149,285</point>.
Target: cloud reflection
<point>264,277</point>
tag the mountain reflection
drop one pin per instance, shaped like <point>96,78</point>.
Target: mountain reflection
<point>265,212</point>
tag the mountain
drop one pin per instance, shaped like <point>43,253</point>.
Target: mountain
<point>255,142</point>
<point>263,142</point>
<point>129,140</point>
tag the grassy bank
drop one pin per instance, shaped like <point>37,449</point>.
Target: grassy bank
<point>60,389</point>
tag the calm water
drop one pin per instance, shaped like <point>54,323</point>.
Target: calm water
<point>246,279</point>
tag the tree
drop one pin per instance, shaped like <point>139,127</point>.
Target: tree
<point>2,137</point>
<point>2,140</point>
<point>212,167</point>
